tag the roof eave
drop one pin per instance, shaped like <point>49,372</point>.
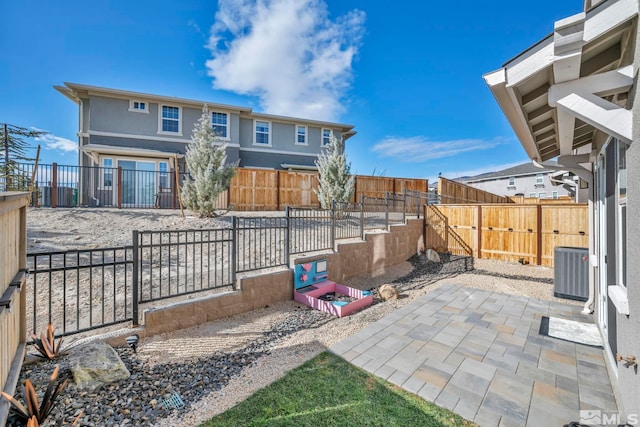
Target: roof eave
<point>505,98</point>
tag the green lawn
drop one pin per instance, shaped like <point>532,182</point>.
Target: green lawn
<point>328,391</point>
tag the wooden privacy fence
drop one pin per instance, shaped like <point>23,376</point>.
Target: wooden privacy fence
<point>13,261</point>
<point>265,189</point>
<point>452,192</point>
<point>527,233</point>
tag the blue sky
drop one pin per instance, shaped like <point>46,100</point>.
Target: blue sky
<point>407,74</point>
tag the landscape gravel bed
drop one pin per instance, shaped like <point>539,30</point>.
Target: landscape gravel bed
<point>218,364</point>
<point>214,366</point>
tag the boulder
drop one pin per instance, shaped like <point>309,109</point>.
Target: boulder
<point>388,292</point>
<point>433,255</point>
<point>95,364</point>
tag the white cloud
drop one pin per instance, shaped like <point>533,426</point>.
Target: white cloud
<point>288,53</point>
<point>53,142</point>
<point>419,148</point>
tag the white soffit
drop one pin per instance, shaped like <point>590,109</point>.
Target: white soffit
<point>598,22</point>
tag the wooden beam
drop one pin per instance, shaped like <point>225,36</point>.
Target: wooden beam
<point>538,112</point>
<point>543,125</point>
<point>539,234</point>
<point>535,94</point>
<point>479,225</point>
<point>545,136</point>
<point>601,61</point>
<point>54,185</point>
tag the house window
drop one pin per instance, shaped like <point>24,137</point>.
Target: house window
<point>262,135</point>
<point>107,172</point>
<point>219,123</point>
<point>170,119</point>
<point>539,178</point>
<point>301,135</point>
<point>512,181</point>
<point>542,195</point>
<point>533,195</point>
<point>554,195</point>
<point>621,167</point>
<point>326,137</point>
<point>138,106</point>
<point>163,169</point>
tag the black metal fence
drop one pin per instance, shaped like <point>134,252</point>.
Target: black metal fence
<point>171,263</point>
<point>82,290</point>
<point>60,185</point>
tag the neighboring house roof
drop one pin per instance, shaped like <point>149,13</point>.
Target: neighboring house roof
<point>519,170</point>
<point>74,91</point>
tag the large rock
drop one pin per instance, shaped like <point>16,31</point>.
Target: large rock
<point>388,292</point>
<point>96,364</point>
<point>433,255</point>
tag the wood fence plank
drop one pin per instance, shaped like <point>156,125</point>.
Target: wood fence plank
<point>507,232</point>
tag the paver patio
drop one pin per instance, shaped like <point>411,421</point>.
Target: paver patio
<point>479,354</point>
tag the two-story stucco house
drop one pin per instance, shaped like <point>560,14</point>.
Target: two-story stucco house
<point>145,132</point>
<point>529,181</point>
<point>572,99</point>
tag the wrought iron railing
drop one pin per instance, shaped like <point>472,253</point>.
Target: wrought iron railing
<point>82,290</point>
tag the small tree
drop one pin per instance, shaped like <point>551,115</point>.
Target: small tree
<point>335,181</point>
<point>209,172</point>
<point>13,149</point>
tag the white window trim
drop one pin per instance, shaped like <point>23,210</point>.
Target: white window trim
<point>618,296</point>
<point>542,196</point>
<point>168,172</point>
<point>114,174</point>
<point>306,135</point>
<point>533,195</point>
<point>539,178</point>
<point>512,181</point>
<point>223,138</point>
<point>555,195</point>
<point>160,131</point>
<point>138,110</point>
<point>255,121</point>
<point>322,144</point>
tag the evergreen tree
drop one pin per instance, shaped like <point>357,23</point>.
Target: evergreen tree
<point>13,149</point>
<point>209,172</point>
<point>335,181</point>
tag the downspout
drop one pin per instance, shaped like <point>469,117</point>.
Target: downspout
<point>571,163</point>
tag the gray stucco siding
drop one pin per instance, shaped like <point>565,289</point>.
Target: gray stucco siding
<point>628,327</point>
<point>283,136</point>
<point>267,160</point>
<point>523,185</point>
<point>113,115</point>
<point>86,104</point>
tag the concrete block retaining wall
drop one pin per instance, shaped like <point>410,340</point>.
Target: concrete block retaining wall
<point>370,257</point>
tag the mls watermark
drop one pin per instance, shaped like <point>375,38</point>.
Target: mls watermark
<point>595,417</point>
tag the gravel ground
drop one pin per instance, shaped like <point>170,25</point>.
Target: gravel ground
<point>216,365</point>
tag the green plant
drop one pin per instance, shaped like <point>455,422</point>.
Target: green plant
<point>335,181</point>
<point>34,409</point>
<point>46,344</point>
<point>209,172</point>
